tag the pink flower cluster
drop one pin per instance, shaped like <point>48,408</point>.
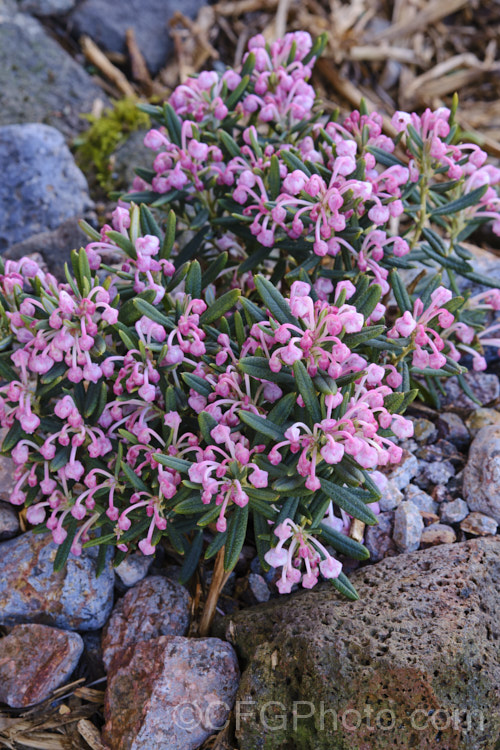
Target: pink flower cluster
<point>354,433</point>
<point>301,557</point>
<point>419,326</point>
<point>144,270</point>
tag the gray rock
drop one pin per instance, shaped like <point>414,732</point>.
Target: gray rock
<point>437,533</point>
<point>47,7</point>
<point>39,81</point>
<point>453,512</point>
<point>106,22</point>
<point>482,473</point>
<point>451,427</point>
<point>133,569</point>
<point>479,524</point>
<point>170,692</point>
<point>258,587</point>
<point>9,521</point>
<point>378,539</point>
<point>485,387</point>
<point>421,499</point>
<point>155,606</point>
<point>402,474</point>
<point>129,155</point>
<point>34,661</point>
<point>437,472</point>
<point>30,591</point>
<point>55,247</point>
<point>408,526</point>
<point>41,185</point>
<point>421,641</point>
<point>391,497</point>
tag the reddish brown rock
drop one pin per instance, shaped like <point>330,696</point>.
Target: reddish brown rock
<point>155,606</point>
<point>169,692</point>
<point>34,660</point>
<point>437,533</point>
<point>421,642</point>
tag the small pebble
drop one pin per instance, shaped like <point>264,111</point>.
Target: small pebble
<point>437,533</point>
<point>378,539</point>
<point>408,526</point>
<point>452,428</point>
<point>479,524</point>
<point>258,587</point>
<point>433,473</point>
<point>485,387</point>
<point>404,472</point>
<point>133,569</point>
<point>391,497</point>
<point>421,499</point>
<point>453,512</point>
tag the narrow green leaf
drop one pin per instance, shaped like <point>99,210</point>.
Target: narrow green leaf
<point>262,425</point>
<point>400,293</point>
<point>345,587</point>
<point>196,383</point>
<point>275,301</point>
<point>193,280</point>
<point>64,549</point>
<point>192,557</point>
<point>306,390</point>
<point>469,199</point>
<point>207,424</point>
<point>236,532</point>
<point>344,544</point>
<point>220,307</point>
<point>177,464</point>
<point>348,501</point>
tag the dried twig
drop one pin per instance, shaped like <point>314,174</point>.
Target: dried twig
<point>99,59</point>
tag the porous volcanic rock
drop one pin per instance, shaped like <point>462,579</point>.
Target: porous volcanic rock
<point>421,642</point>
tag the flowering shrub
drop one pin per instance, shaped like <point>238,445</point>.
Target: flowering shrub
<point>241,364</point>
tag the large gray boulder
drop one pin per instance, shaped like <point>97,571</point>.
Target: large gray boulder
<point>412,664</point>
<point>39,80</point>
<point>41,185</point>
<point>106,22</point>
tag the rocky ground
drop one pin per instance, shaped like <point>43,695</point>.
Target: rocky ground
<point>424,635</point>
